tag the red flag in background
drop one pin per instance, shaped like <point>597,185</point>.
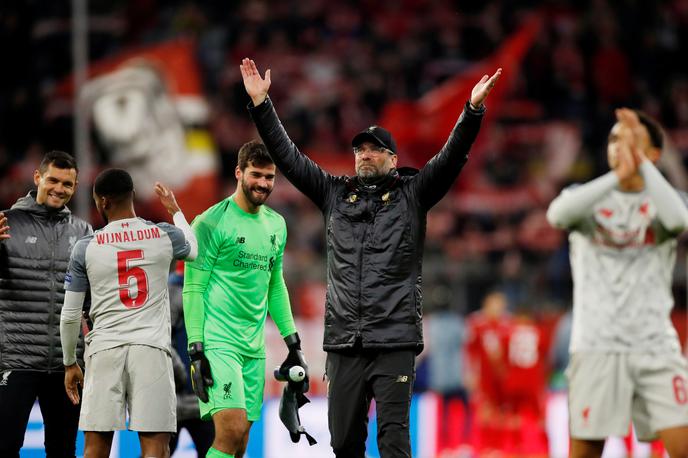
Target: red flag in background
<point>145,106</point>
<point>422,127</point>
<point>173,59</point>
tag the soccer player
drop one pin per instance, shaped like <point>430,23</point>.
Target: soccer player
<point>486,348</point>
<point>626,361</point>
<point>125,267</point>
<point>228,291</point>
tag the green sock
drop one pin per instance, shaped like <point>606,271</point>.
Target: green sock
<point>215,453</point>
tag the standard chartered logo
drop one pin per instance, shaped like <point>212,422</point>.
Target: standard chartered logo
<point>254,261</point>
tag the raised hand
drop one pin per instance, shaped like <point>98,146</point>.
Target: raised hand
<point>4,228</point>
<point>256,87</point>
<point>482,89</point>
<point>166,198</point>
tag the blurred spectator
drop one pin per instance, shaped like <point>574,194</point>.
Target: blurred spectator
<point>559,351</point>
<point>446,336</point>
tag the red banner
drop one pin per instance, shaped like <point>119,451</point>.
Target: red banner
<point>422,127</point>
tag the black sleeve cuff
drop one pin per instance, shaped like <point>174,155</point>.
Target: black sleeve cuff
<point>469,109</point>
<point>262,106</point>
<point>195,348</point>
<point>293,341</point>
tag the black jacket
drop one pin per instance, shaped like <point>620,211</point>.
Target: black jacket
<point>33,263</point>
<point>374,235</point>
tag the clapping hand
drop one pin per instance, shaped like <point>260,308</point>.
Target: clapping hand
<point>629,119</point>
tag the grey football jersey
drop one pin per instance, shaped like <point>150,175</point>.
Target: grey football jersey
<point>622,263</point>
<point>125,266</point>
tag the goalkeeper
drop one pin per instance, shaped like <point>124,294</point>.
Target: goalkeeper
<point>235,280</point>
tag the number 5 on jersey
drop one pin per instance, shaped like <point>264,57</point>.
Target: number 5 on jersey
<point>130,297</point>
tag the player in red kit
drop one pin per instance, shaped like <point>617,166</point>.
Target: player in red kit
<point>488,332</point>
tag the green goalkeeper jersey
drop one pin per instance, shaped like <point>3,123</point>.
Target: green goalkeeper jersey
<point>236,279</point>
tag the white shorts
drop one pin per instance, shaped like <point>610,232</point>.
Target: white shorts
<point>136,377</point>
<point>609,390</point>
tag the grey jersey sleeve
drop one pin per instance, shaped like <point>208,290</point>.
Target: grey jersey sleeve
<point>70,322</point>
<point>672,211</point>
<point>76,278</point>
<point>181,222</point>
<point>576,203</point>
<point>180,246</point>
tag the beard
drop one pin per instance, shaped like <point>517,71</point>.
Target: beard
<point>256,199</point>
<point>368,171</point>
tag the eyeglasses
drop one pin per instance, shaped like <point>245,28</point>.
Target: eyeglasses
<point>375,149</point>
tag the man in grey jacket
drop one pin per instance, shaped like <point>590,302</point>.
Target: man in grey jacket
<point>36,239</point>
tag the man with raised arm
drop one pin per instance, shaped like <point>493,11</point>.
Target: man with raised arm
<point>375,224</point>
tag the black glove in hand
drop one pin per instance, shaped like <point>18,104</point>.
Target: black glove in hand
<point>294,358</point>
<point>290,403</point>
<point>200,371</point>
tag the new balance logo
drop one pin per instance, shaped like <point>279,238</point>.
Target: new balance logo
<point>31,239</point>
<point>241,240</point>
<point>402,379</point>
<point>5,376</point>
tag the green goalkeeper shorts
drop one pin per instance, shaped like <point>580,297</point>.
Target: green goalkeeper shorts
<point>238,383</point>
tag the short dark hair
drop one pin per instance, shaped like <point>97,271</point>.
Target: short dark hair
<point>253,153</point>
<point>113,183</point>
<point>653,128</point>
<point>59,159</point>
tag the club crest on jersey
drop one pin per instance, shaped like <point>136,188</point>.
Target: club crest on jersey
<point>586,415</point>
<point>273,242</point>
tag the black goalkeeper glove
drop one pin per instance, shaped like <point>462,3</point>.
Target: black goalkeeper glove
<point>200,371</point>
<point>294,358</point>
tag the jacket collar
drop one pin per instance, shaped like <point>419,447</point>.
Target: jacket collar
<point>28,203</point>
<point>379,184</point>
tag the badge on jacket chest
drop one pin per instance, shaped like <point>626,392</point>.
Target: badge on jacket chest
<point>385,198</point>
